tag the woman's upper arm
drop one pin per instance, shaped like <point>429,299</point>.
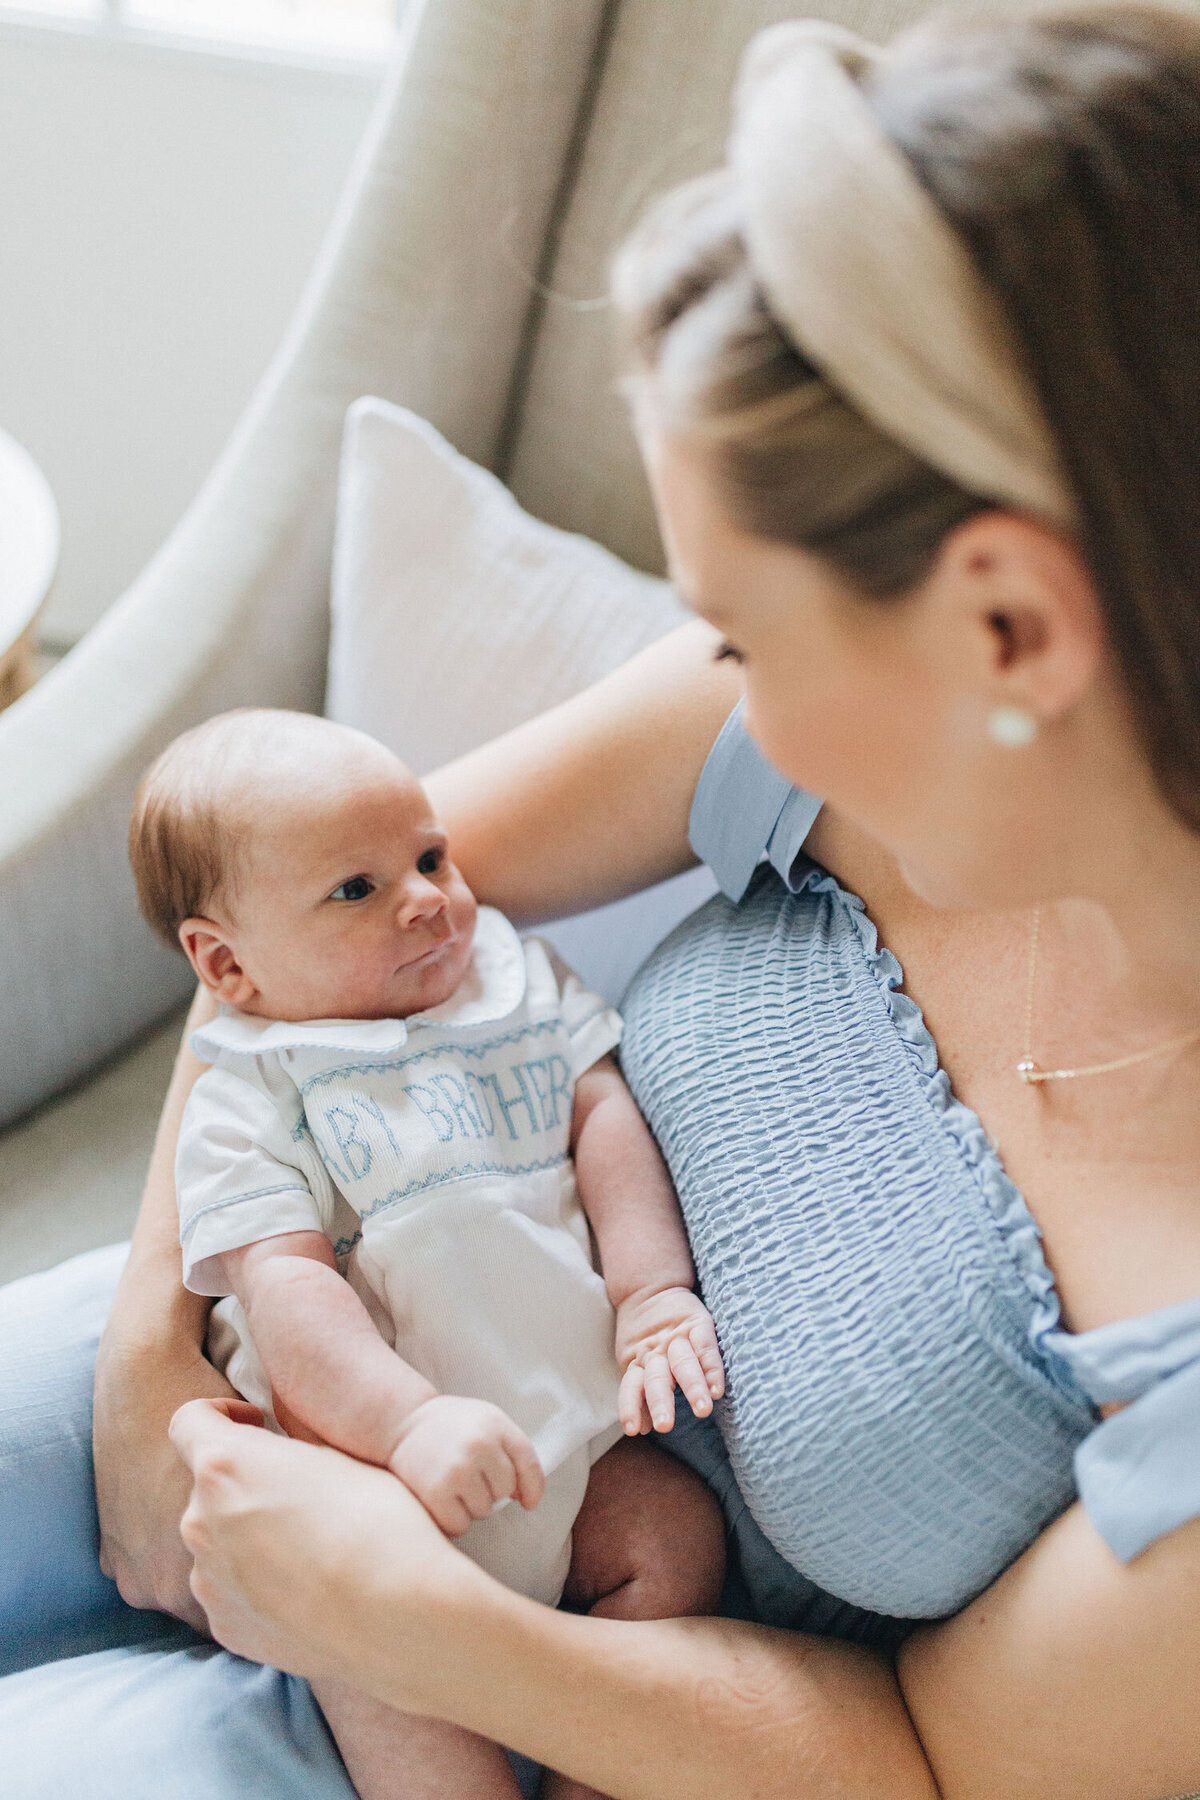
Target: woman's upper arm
<point>1074,1677</point>
<point>590,801</point>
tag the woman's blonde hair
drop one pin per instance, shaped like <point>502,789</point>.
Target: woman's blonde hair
<point>1064,147</point>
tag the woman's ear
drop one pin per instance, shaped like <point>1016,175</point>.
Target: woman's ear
<point>206,946</point>
<point>1030,609</point>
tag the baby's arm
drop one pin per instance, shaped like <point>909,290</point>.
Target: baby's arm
<point>664,1333</point>
<point>335,1379</point>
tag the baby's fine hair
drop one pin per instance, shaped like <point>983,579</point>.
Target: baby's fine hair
<point>191,813</point>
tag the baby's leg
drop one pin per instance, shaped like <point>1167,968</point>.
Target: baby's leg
<point>649,1543</point>
<point>391,1755</point>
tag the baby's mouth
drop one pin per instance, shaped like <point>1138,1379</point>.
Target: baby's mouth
<point>428,955</point>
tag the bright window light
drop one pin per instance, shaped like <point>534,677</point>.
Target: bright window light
<point>327,24</point>
<point>57,9</point>
<point>355,26</point>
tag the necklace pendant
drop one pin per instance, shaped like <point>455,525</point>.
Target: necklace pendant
<point>1029,1071</point>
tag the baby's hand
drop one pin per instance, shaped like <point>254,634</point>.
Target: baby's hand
<point>460,1457</point>
<point>664,1338</point>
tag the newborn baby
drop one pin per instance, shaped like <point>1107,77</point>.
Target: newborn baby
<point>375,1176</point>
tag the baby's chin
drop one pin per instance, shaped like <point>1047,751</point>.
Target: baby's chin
<point>427,985</point>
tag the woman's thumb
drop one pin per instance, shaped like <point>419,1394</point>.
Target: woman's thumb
<point>200,1425</point>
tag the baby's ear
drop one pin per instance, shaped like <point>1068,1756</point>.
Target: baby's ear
<point>210,953</point>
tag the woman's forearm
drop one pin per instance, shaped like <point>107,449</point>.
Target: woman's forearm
<point>151,1301</point>
<point>320,1565</point>
<point>683,1709</point>
<point>149,1362</point>
<point>591,800</point>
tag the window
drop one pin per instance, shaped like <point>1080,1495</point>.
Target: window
<point>354,27</point>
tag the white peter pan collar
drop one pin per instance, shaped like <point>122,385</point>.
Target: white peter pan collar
<point>493,986</point>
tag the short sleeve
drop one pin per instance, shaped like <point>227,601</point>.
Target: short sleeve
<point>745,810</point>
<point>1138,1473</point>
<point>593,1027</point>
<point>245,1170</point>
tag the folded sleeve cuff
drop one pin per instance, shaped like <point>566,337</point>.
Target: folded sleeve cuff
<point>226,1224</point>
<point>744,809</point>
<point>593,1038</point>
<point>1138,1474</point>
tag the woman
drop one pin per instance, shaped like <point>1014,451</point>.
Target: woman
<point>960,569</point>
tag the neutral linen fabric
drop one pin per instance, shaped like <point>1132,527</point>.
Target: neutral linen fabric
<point>870,280</point>
<point>661,114</point>
<point>516,143</point>
<point>420,294</point>
<point>905,1411</point>
<point>456,616</point>
<point>433,1152</point>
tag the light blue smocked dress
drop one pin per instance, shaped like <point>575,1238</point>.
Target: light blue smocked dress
<point>905,1412</point>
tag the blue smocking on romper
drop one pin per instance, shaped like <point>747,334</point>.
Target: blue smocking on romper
<point>904,1413</point>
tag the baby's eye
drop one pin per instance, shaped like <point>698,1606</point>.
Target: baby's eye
<point>430,862</point>
<point>357,888</point>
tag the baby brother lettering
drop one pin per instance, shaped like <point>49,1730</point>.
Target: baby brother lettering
<point>511,1105</point>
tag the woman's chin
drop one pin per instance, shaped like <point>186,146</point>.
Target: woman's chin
<point>943,889</point>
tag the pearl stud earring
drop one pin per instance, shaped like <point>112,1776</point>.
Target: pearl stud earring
<point>1015,727</point>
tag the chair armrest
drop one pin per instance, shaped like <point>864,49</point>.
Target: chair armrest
<point>420,294</point>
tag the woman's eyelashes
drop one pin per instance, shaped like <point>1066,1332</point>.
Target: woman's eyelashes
<point>357,888</point>
<point>725,652</point>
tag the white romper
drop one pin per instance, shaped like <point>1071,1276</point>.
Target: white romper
<point>433,1153</point>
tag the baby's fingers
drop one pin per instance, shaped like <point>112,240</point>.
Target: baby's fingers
<point>631,1402</point>
<point>686,1368</point>
<point>531,1477</point>
<point>703,1337</point>
<point>660,1391</point>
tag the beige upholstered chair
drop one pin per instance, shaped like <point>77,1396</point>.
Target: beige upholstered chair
<point>515,142</point>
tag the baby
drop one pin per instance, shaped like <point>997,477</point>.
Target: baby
<point>388,1175</point>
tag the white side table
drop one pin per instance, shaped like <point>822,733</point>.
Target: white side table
<point>29,541</point>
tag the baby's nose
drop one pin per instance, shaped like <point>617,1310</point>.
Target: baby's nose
<point>422,900</point>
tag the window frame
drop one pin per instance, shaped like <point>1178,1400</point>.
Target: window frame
<point>109,21</point>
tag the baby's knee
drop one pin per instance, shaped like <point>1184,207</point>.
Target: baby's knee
<point>649,1542</point>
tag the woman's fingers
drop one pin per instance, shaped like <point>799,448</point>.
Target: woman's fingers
<point>200,1429</point>
<point>685,1367</point>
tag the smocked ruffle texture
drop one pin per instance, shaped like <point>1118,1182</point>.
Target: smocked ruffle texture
<point>1016,1224</point>
<point>898,1422</point>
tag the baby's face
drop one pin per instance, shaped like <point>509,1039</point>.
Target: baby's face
<point>346,903</point>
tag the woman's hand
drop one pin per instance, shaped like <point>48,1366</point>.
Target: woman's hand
<point>666,1337</point>
<point>141,1485</point>
<point>310,1561</point>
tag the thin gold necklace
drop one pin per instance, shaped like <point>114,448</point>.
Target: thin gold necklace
<point>1033,1075</point>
